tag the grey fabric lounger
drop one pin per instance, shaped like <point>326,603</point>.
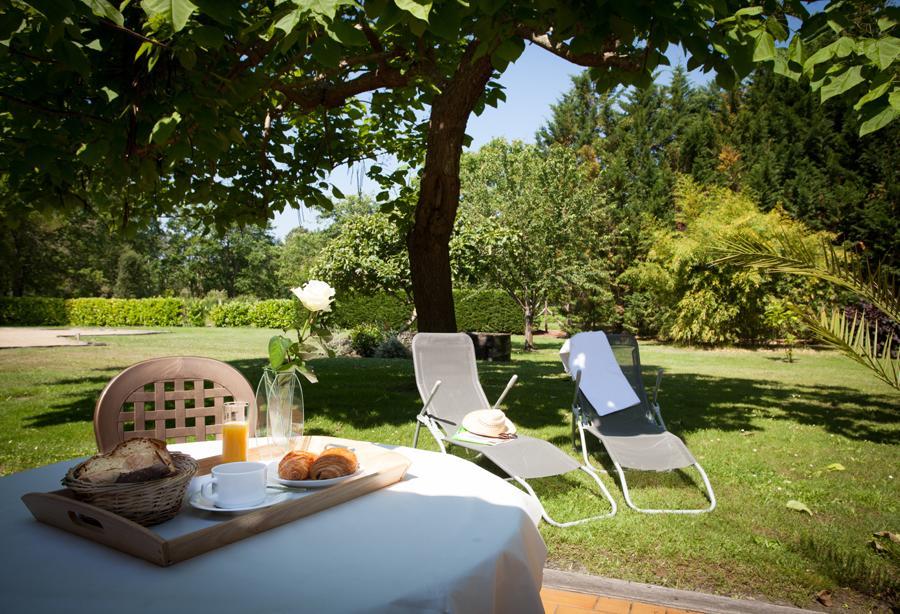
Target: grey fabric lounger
<point>447,378</point>
<point>635,437</point>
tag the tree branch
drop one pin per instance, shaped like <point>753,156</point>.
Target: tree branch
<point>313,93</point>
<point>596,59</point>
<point>137,35</point>
<point>51,111</point>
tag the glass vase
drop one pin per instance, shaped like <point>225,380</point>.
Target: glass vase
<point>279,419</point>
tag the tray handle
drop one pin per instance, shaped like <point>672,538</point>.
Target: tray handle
<point>61,510</point>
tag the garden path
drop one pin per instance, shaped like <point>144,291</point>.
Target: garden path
<point>27,337</point>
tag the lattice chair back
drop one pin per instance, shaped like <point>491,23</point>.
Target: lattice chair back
<point>177,398</point>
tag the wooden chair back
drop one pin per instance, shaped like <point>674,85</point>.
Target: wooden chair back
<point>173,398</point>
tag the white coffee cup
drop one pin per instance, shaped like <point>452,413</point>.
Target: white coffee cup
<point>236,485</point>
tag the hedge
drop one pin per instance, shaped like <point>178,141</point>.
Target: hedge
<point>125,311</point>
<point>33,311</point>
<point>386,311</point>
<point>485,311</point>
<point>489,311</point>
<point>273,313</point>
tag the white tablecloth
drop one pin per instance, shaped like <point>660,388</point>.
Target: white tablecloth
<point>451,537</point>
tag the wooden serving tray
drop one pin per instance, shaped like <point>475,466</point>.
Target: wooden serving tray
<point>60,509</point>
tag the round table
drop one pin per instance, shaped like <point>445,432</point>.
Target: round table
<point>450,537</point>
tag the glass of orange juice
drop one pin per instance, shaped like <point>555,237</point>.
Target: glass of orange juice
<point>235,432</point>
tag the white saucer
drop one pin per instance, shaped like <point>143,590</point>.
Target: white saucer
<point>273,476</point>
<point>202,503</point>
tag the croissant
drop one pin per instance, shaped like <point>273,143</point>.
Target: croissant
<point>333,463</point>
<point>296,465</point>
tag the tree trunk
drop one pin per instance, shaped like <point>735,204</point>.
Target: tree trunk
<point>529,327</point>
<point>428,242</point>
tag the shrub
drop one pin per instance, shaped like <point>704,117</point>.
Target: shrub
<point>365,338</point>
<point>487,311</point>
<point>387,311</point>
<point>32,311</point>
<point>125,312</point>
<point>276,313</point>
<point>195,312</point>
<point>391,347</point>
<point>234,313</point>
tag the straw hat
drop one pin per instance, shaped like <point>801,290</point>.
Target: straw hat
<point>488,423</point>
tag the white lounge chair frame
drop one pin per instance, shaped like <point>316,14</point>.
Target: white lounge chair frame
<point>432,423</point>
<point>581,421</point>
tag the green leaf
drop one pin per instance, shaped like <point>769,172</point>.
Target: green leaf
<point>765,48</point>
<point>144,48</point>
<point>102,8</point>
<point>74,59</point>
<point>276,352</point>
<point>208,37</point>
<point>873,94</point>
<point>307,373</point>
<point>847,80</point>
<point>110,94</point>
<point>287,23</point>
<point>749,11</point>
<point>836,467</point>
<point>844,46</point>
<point>419,10</point>
<point>326,52</point>
<point>781,67</point>
<point>163,128</point>
<point>885,23</point>
<point>796,50</point>
<point>344,33</point>
<point>176,12</point>
<point>879,119</point>
<point>798,506</point>
<point>510,49</point>
<point>894,99</point>
<point>884,51</point>
<point>822,55</point>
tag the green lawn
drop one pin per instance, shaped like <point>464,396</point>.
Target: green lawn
<point>765,430</point>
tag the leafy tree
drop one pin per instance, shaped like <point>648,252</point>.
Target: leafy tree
<point>230,110</point>
<point>532,210</point>
<point>296,256</point>
<point>240,261</point>
<point>133,279</point>
<point>51,254</point>
<point>809,159</point>
<point>368,255</point>
<point>700,303</point>
<point>576,117</point>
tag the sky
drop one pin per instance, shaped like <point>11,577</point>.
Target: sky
<point>533,83</point>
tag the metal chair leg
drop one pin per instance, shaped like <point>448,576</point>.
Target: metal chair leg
<point>550,520</point>
<point>709,493</point>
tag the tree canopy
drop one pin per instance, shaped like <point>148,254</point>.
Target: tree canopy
<point>231,111</point>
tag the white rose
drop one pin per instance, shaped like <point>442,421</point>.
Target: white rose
<point>315,295</point>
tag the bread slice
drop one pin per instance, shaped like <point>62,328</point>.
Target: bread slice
<point>134,460</point>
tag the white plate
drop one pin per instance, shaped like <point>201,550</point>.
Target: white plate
<point>273,476</point>
<point>202,503</point>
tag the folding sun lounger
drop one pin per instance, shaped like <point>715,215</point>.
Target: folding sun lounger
<point>611,404</point>
<point>447,378</point>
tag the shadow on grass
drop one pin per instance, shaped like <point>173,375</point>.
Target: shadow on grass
<point>79,402</point>
<point>372,392</point>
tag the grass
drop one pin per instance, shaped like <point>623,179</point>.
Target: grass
<point>766,432</point>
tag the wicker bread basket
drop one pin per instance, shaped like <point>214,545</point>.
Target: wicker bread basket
<point>146,503</point>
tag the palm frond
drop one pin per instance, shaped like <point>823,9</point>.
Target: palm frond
<point>856,338</point>
<point>840,268</point>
